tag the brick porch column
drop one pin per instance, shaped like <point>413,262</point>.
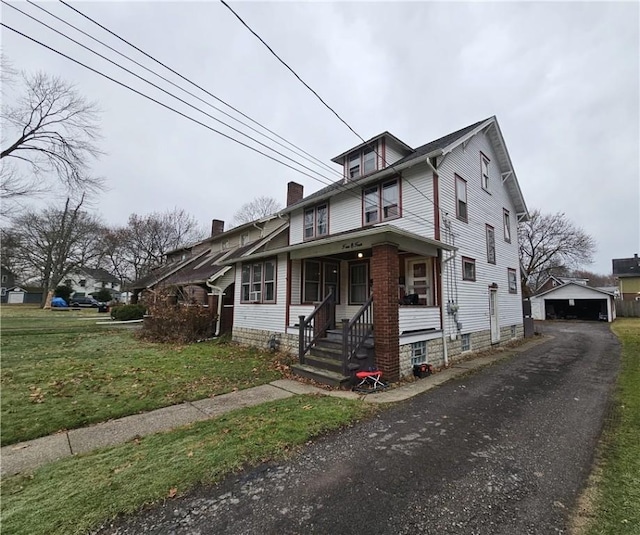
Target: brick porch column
<point>385,273</point>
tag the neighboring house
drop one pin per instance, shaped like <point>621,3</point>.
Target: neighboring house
<point>23,295</point>
<point>8,282</point>
<point>202,274</point>
<point>554,281</point>
<point>87,281</point>
<point>627,270</point>
<point>414,254</point>
<point>574,300</point>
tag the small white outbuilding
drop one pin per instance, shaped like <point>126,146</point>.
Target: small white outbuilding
<point>573,301</point>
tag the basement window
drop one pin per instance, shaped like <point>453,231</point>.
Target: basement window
<point>465,342</point>
<point>418,352</point>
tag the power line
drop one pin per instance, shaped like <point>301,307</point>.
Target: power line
<point>290,69</point>
<point>164,90</point>
<point>318,96</point>
<point>235,109</point>
<point>166,106</point>
<point>218,99</point>
<point>301,153</point>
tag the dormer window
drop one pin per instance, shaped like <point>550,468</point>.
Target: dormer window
<point>362,162</point>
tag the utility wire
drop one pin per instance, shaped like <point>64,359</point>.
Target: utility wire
<point>302,154</point>
<point>166,106</point>
<point>218,99</point>
<point>387,164</point>
<point>235,109</point>
<point>164,90</point>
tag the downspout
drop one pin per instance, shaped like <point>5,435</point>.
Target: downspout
<point>445,353</point>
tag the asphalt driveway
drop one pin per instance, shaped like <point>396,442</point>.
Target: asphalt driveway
<point>503,451</point>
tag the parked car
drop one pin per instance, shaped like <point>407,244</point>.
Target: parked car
<point>84,302</point>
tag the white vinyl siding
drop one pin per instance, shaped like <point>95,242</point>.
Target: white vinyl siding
<point>418,318</point>
<point>470,238</point>
<point>268,316</point>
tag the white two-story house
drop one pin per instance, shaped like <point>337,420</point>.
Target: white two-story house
<point>411,258</point>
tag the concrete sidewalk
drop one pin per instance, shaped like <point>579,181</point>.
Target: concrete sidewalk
<point>26,456</point>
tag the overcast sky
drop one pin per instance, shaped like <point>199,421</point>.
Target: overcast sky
<point>563,80</point>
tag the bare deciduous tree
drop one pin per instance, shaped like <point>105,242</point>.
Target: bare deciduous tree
<point>133,251</point>
<point>548,243</point>
<point>49,134</point>
<point>51,243</point>
<point>257,208</point>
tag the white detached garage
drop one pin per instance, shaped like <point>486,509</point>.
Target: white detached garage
<point>573,301</point>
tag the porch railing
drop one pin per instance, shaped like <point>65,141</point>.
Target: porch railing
<point>355,331</point>
<point>315,325</point>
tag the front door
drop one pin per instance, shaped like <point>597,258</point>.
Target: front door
<point>226,312</point>
<point>493,315</point>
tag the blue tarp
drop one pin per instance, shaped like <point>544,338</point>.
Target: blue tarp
<point>58,302</point>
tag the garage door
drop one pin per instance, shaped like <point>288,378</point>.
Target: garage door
<point>575,309</point>
<point>15,297</point>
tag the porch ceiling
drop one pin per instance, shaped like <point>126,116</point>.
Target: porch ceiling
<point>360,240</point>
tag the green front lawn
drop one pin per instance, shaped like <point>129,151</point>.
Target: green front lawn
<point>76,494</point>
<point>617,503</point>
<point>60,371</point>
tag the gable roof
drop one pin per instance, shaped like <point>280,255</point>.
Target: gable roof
<point>437,147</point>
<point>100,275</point>
<point>386,134</point>
<point>571,283</point>
<point>626,267</point>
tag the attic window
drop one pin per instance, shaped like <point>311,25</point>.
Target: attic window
<point>484,171</point>
<point>362,162</point>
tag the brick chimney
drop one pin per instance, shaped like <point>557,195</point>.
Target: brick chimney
<point>295,193</point>
<point>217,227</point>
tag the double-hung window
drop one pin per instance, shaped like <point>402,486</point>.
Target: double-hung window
<point>358,283</point>
<point>258,282</point>
<point>381,202</point>
<point>320,278</point>
<point>484,172</point>
<point>461,199</point>
<point>468,269</point>
<point>362,162</point>
<point>316,221</point>
<point>506,219</point>
<point>513,280</point>
<point>491,245</point>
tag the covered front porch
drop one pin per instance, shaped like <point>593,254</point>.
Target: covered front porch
<point>351,298</point>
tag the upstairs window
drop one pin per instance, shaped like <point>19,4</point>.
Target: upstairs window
<point>507,225</point>
<point>381,202</point>
<point>83,283</point>
<point>461,199</point>
<point>513,281</point>
<point>484,172</point>
<point>354,165</point>
<point>362,162</point>
<point>491,245</point>
<point>316,221</point>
